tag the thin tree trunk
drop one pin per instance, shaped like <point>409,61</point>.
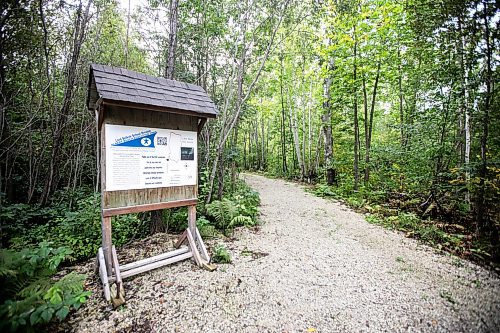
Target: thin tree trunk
<point>400,93</point>
<point>465,108</point>
<point>326,120</point>
<point>482,209</point>
<point>356,121</point>
<point>263,148</point>
<point>172,39</point>
<point>309,137</point>
<point>292,110</point>
<point>284,168</point>
<point>127,36</point>
<point>67,102</point>
<point>369,126</point>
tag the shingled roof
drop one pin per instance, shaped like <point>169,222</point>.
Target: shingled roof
<point>114,84</point>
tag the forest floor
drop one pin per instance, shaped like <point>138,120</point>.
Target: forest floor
<point>312,266</point>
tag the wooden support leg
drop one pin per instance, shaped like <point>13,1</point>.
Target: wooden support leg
<point>194,249</point>
<point>203,249</point>
<point>181,239</point>
<point>117,290</point>
<point>103,274</point>
<point>192,219</point>
<point>106,242</point>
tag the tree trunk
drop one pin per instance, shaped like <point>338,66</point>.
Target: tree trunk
<point>295,135</point>
<point>172,39</point>
<point>482,210</point>
<point>369,124</point>
<point>263,147</point>
<point>326,120</point>
<point>327,135</point>
<point>400,93</point>
<point>59,130</point>
<point>465,107</point>
<point>284,167</point>
<point>356,121</point>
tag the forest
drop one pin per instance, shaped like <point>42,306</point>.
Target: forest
<point>389,106</point>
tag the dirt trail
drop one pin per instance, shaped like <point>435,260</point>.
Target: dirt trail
<point>314,265</point>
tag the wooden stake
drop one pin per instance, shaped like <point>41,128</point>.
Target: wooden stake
<point>192,219</point>
<point>117,290</point>
<point>181,239</point>
<point>203,249</point>
<point>194,248</point>
<point>116,267</point>
<point>106,242</point>
<point>103,274</point>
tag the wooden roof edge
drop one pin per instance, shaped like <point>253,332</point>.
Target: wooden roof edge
<point>89,86</point>
<point>129,73</point>
<point>94,94</point>
<point>158,108</point>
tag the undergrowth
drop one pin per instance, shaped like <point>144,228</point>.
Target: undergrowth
<point>403,213</point>
<point>31,295</point>
<point>77,227</point>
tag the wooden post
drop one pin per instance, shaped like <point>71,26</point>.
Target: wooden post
<point>194,249</point>
<point>103,274</point>
<point>106,242</point>
<point>192,219</point>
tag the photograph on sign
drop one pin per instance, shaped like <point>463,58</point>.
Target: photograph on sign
<point>142,157</point>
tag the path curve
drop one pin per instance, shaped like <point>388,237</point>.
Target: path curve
<point>314,265</point>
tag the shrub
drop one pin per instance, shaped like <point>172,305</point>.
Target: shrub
<point>207,230</point>
<point>247,200</point>
<point>223,211</point>
<point>80,229</point>
<point>221,255</point>
<point>31,296</point>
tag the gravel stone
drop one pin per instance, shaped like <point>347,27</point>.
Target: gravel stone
<point>313,266</point>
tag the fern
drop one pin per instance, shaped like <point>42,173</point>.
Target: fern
<point>241,220</point>
<point>221,255</point>
<point>223,211</point>
<point>31,296</point>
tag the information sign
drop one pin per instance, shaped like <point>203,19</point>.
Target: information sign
<point>141,157</point>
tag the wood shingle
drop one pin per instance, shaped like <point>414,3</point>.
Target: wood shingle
<point>120,85</point>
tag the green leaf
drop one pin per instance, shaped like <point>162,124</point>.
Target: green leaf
<point>62,313</point>
<point>47,315</point>
<point>56,298</point>
<point>35,316</point>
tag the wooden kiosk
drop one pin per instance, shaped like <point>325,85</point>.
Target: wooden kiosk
<point>147,159</point>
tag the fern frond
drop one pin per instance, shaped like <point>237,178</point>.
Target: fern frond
<point>241,220</point>
<point>71,282</point>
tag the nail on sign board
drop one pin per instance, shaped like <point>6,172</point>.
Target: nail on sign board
<point>141,157</point>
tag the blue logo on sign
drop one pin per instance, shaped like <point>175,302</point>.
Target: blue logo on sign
<point>137,140</point>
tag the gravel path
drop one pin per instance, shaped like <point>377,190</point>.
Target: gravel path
<point>313,266</point>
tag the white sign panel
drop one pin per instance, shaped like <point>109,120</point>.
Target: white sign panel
<point>141,157</point>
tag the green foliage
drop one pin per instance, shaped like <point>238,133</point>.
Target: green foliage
<point>79,229</point>
<point>221,255</point>
<point>176,219</point>
<point>223,211</point>
<point>31,295</point>
<point>240,209</point>
<point>207,230</point>
<point>247,200</point>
